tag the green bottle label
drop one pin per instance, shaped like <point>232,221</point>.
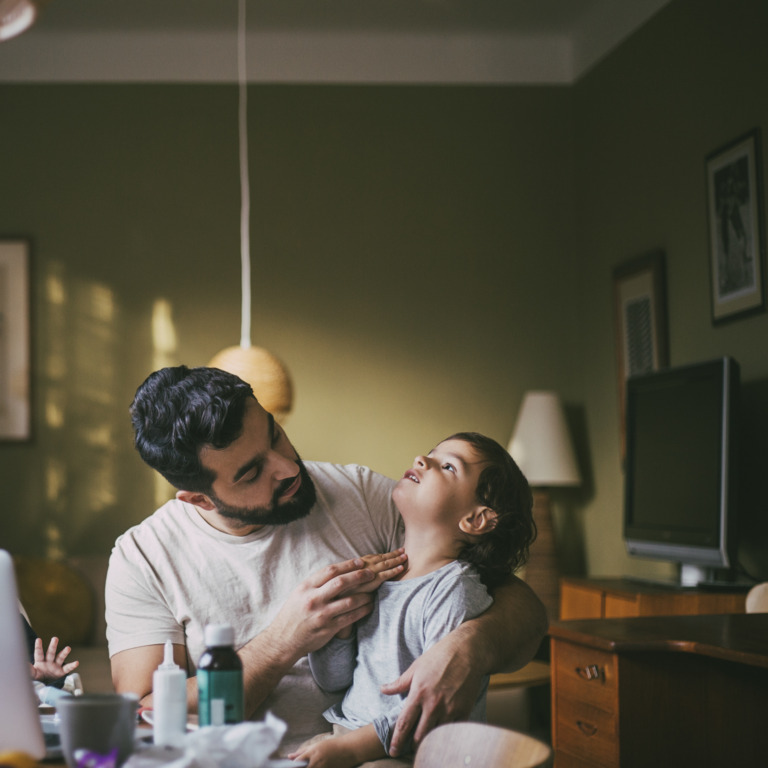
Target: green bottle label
<point>220,697</point>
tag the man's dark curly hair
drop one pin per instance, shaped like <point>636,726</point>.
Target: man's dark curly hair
<point>177,411</point>
<point>503,488</point>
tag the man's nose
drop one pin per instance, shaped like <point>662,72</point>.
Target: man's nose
<point>283,466</point>
<point>420,462</point>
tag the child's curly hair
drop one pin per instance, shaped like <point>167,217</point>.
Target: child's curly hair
<point>503,488</point>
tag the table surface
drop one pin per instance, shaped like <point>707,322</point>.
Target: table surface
<point>739,637</point>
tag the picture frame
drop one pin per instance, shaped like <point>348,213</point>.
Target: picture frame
<point>642,334</point>
<point>736,229</point>
<point>15,341</point>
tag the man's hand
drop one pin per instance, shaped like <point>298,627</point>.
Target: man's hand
<point>325,602</point>
<point>50,666</point>
<point>442,687</point>
<point>384,567</point>
<point>330,600</point>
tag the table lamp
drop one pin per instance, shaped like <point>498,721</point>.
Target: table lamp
<point>541,446</point>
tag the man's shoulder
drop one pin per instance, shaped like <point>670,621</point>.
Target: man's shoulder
<point>347,478</point>
<point>352,492</point>
<point>171,516</point>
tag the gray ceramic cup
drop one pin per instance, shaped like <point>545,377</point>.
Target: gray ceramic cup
<point>97,729</point>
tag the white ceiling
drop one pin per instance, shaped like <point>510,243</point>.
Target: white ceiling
<point>311,41</point>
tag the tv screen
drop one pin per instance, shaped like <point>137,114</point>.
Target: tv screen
<point>680,467</point>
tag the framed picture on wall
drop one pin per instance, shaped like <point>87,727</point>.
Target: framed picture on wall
<point>15,407</point>
<point>640,306</point>
<point>736,239</point>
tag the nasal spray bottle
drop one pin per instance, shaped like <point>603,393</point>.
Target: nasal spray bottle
<point>219,678</point>
<point>169,701</point>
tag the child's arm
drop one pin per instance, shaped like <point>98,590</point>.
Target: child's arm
<point>50,666</point>
<point>350,749</point>
<point>333,665</point>
<point>443,683</point>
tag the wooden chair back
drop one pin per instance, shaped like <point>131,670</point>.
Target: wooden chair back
<point>478,745</point>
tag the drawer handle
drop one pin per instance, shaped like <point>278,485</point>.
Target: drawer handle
<point>586,728</point>
<point>590,672</point>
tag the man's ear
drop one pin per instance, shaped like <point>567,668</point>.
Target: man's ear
<point>479,521</point>
<point>197,499</point>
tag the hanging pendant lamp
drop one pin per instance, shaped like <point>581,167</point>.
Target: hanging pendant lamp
<point>17,16</point>
<point>261,369</point>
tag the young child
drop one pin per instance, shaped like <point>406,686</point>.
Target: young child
<point>467,510</point>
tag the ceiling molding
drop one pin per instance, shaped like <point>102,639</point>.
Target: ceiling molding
<point>141,54</point>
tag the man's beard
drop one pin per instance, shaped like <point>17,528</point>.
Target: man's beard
<point>295,508</point>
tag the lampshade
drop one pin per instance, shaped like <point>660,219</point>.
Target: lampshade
<point>16,16</point>
<point>541,444</point>
<point>264,372</point>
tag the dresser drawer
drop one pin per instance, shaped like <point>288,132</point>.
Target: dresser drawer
<point>585,674</point>
<point>586,732</point>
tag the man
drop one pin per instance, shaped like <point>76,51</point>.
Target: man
<point>242,543</point>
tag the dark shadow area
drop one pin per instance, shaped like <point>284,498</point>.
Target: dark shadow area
<point>753,488</point>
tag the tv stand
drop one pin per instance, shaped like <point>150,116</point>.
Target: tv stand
<point>603,598</point>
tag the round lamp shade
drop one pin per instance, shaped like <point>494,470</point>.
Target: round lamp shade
<point>264,372</point>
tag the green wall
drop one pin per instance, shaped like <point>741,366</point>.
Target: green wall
<point>689,81</point>
<point>421,257</point>
<point>407,255</point>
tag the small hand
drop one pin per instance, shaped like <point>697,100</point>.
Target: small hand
<point>326,753</point>
<point>384,567</point>
<point>50,666</point>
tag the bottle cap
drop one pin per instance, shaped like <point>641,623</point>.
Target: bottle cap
<point>219,634</point>
<point>168,662</point>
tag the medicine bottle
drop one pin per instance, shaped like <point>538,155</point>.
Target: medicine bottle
<point>219,678</point>
<point>169,701</point>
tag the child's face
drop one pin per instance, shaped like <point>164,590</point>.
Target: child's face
<point>440,486</point>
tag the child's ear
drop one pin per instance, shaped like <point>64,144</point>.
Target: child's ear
<point>479,521</point>
<point>197,499</point>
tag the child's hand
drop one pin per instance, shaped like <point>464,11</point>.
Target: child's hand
<point>343,751</point>
<point>384,567</point>
<point>50,666</point>
<point>328,753</point>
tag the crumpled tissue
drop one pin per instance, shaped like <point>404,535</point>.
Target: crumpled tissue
<point>245,745</point>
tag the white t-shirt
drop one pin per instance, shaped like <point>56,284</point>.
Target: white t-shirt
<point>173,573</point>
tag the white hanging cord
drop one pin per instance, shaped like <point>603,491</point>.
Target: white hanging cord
<point>245,194</point>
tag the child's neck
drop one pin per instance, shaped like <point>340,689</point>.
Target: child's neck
<point>428,550</point>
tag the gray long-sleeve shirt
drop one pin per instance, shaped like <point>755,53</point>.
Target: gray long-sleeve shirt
<point>408,617</point>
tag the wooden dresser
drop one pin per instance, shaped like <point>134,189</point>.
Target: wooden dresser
<point>610,598</point>
<point>646,691</point>
<point>653,692</point>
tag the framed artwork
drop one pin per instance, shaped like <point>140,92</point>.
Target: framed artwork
<point>640,305</point>
<point>15,384</point>
<point>735,215</point>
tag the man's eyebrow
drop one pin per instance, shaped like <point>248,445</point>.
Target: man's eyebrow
<point>257,461</point>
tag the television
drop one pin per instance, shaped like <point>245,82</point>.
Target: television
<point>681,471</point>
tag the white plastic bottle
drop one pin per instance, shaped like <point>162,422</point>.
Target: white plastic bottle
<point>169,701</point>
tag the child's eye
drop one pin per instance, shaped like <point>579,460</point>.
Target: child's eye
<point>450,468</point>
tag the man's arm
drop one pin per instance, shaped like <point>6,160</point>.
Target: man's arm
<point>443,683</point>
